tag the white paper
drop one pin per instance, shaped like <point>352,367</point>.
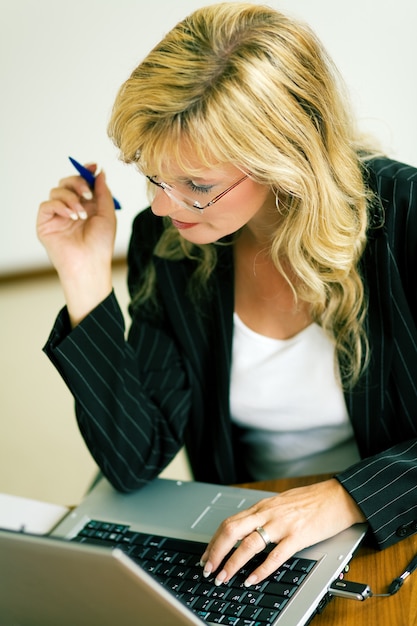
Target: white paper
<point>31,516</point>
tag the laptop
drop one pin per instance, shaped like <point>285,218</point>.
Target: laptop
<point>69,578</point>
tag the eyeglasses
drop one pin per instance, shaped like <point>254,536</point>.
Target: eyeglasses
<point>187,202</point>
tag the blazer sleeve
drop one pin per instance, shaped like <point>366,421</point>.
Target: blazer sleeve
<point>384,483</point>
<point>385,488</point>
<point>132,397</point>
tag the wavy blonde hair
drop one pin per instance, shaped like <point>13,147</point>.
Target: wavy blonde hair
<point>245,84</point>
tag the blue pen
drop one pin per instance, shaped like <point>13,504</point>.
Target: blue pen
<point>90,178</point>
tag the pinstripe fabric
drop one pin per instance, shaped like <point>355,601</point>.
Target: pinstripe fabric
<point>138,401</point>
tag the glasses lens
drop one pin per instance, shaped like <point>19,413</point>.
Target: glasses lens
<point>176,195</point>
<point>182,200</point>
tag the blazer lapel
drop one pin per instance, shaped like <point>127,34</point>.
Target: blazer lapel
<point>188,327</point>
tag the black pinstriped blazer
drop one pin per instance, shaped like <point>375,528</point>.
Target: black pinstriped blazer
<point>138,401</point>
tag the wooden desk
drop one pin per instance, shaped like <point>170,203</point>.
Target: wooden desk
<point>376,568</point>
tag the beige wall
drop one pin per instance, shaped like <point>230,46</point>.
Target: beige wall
<point>42,454</point>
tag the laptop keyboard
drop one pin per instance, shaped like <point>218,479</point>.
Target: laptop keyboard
<point>175,564</point>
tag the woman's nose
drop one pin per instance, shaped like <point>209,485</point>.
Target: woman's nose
<point>162,205</point>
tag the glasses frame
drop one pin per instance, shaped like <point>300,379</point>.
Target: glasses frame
<point>188,203</point>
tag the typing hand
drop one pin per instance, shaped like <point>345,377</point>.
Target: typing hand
<point>292,520</point>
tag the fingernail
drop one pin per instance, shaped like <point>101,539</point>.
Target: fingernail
<point>251,580</point>
<point>87,195</point>
<point>220,578</point>
<point>82,215</point>
<point>74,216</point>
<point>208,568</point>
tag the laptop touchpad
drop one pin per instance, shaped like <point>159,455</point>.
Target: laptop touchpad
<point>222,506</point>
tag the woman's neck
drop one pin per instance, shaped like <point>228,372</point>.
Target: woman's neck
<point>264,298</point>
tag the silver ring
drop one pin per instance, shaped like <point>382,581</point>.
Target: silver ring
<point>262,532</point>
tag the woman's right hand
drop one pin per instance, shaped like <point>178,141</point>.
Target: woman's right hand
<point>78,228</point>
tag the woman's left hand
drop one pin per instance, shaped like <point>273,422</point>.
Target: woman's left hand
<point>293,520</point>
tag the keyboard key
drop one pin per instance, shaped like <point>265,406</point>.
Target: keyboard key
<point>215,618</point>
<point>280,589</point>
<point>173,584</point>
<point>190,587</point>
<point>203,615</point>
<point>138,553</point>
<point>237,595</point>
<point>273,602</point>
<point>292,577</point>
<point>234,608</point>
<point>219,606</point>
<point>250,612</point>
<point>304,565</point>
<point>219,592</point>
<point>230,620</point>
<point>253,597</point>
<point>202,603</point>
<point>267,616</point>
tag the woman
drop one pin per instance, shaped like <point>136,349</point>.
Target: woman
<point>273,308</point>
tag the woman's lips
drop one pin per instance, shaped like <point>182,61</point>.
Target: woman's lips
<point>182,225</point>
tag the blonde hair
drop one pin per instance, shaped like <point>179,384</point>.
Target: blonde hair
<point>245,84</point>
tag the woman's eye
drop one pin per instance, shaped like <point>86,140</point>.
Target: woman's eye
<point>199,188</point>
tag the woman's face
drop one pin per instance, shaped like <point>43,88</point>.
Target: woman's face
<point>249,203</point>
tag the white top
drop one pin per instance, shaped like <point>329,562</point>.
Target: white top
<point>287,397</point>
